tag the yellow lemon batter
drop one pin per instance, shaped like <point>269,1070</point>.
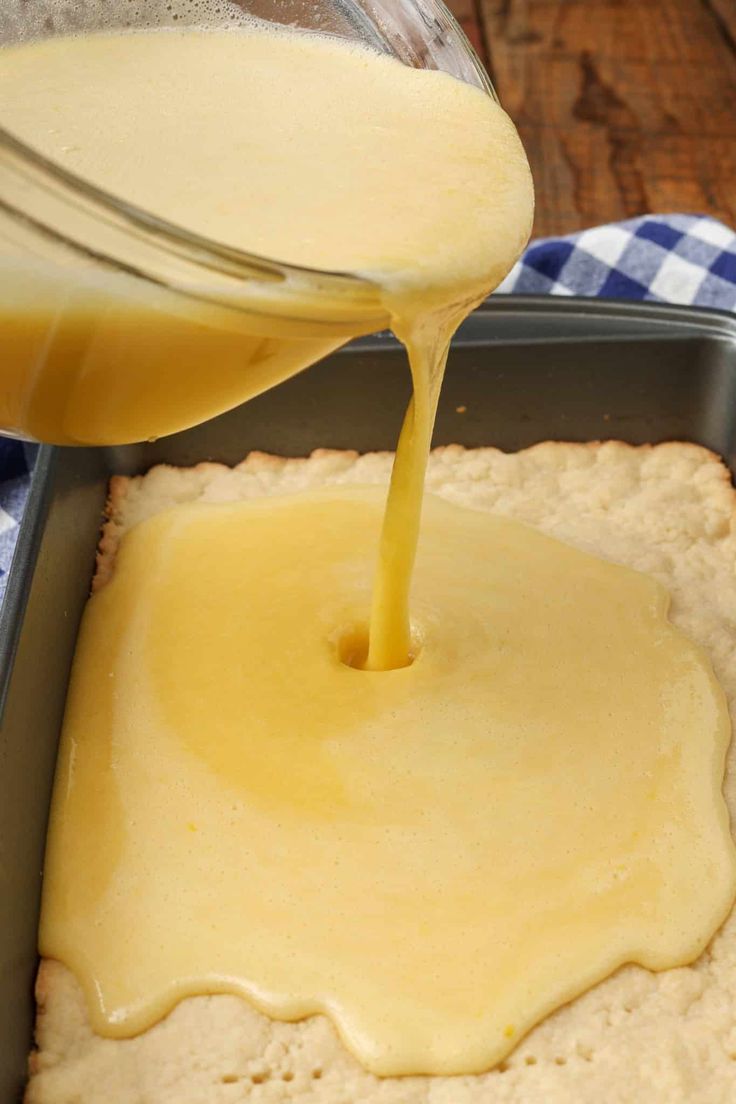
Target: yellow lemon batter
<point>437,856</point>
<point>294,146</point>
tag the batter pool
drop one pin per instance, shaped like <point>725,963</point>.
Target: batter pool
<point>435,856</point>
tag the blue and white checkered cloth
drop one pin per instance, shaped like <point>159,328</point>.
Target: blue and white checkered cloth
<point>666,258</point>
<point>15,465</point>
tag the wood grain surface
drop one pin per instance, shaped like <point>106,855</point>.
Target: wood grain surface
<point>625,106</point>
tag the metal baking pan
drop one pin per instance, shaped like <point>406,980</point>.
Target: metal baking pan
<point>521,371</point>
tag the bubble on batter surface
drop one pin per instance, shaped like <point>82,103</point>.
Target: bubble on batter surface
<point>24,22</point>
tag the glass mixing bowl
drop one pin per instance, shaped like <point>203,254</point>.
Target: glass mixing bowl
<point>116,326</point>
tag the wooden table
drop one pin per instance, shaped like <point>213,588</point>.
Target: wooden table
<point>624,106</point>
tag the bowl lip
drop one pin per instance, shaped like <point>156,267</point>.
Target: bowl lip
<point>198,247</point>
